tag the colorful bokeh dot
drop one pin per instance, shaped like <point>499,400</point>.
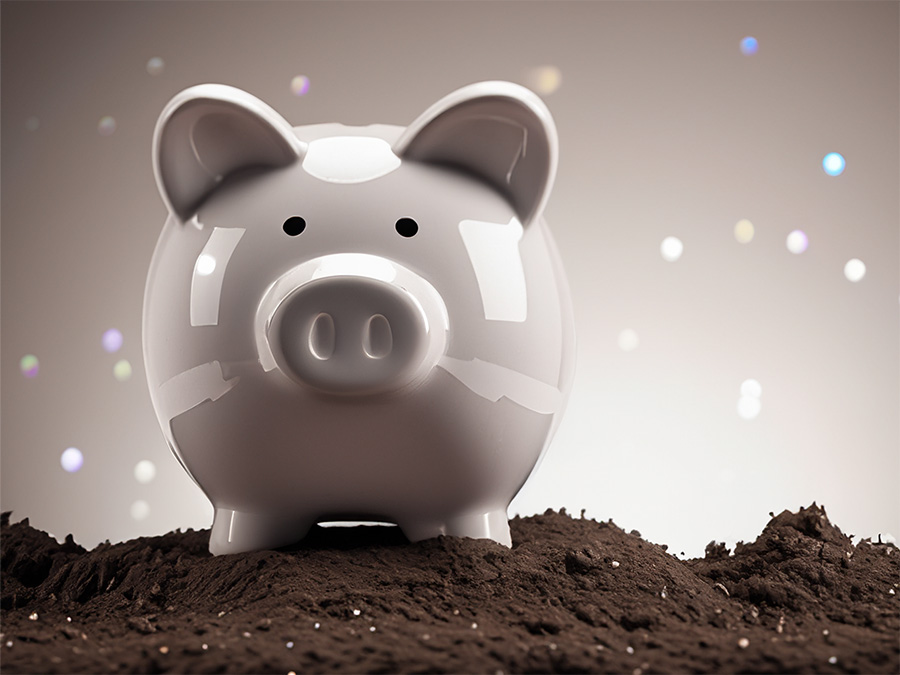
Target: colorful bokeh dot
<point>155,66</point>
<point>744,231</point>
<point>544,79</point>
<point>71,459</point>
<point>29,365</point>
<point>749,46</point>
<point>797,242</point>
<point>106,126</point>
<point>300,85</point>
<point>834,163</point>
<point>112,340</point>
<point>122,370</point>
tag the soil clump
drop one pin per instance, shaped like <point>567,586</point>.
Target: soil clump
<point>572,595</point>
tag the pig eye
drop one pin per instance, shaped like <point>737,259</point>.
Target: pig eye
<point>294,226</point>
<point>407,227</point>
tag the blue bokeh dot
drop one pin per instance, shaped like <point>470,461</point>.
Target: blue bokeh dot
<point>834,163</point>
<point>749,46</point>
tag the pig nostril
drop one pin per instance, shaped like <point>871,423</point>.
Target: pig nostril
<point>321,337</point>
<point>294,226</point>
<point>377,337</point>
<point>407,227</point>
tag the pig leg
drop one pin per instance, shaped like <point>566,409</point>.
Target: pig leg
<point>238,531</point>
<point>490,525</point>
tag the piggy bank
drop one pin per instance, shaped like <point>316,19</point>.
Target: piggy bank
<point>357,323</point>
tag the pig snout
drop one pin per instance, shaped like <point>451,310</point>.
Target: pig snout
<point>351,335</point>
<point>341,329</point>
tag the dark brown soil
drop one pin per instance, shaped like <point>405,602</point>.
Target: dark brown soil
<point>573,595</point>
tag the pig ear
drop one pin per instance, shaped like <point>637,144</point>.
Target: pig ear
<point>498,131</point>
<point>210,131</point>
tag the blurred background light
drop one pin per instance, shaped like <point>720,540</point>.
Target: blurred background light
<point>122,370</point>
<point>743,231</point>
<point>112,340</point>
<point>748,407</point>
<point>544,80</point>
<point>71,459</point>
<point>140,510</point>
<point>797,242</point>
<point>671,248</point>
<point>855,269</point>
<point>751,388</point>
<point>29,365</point>
<point>749,46</point>
<point>155,66</point>
<point>628,340</point>
<point>300,85</point>
<point>834,163</point>
<point>106,126</point>
<point>144,471</point>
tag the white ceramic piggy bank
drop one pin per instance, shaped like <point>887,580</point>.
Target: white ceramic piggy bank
<point>357,323</point>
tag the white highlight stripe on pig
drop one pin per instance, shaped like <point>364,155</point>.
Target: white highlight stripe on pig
<point>349,159</point>
<point>209,273</point>
<point>494,251</point>
<point>492,382</point>
<point>189,389</point>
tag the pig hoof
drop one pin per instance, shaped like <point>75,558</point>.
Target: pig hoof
<point>490,525</point>
<point>238,531</point>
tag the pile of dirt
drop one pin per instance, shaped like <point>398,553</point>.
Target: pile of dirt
<point>572,595</point>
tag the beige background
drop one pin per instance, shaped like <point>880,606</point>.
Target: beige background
<point>665,129</point>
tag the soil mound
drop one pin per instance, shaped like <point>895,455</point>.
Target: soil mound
<point>572,595</point>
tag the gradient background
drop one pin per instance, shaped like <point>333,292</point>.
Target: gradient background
<point>666,128</point>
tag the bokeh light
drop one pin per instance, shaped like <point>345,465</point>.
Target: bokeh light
<point>748,407</point>
<point>29,365</point>
<point>744,231</point>
<point>106,126</point>
<point>855,269</point>
<point>628,340</point>
<point>112,340</point>
<point>749,46</point>
<point>32,123</point>
<point>71,459</point>
<point>140,510</point>
<point>834,163</point>
<point>205,264</point>
<point>544,79</point>
<point>300,85</point>
<point>751,388</point>
<point>144,471</point>
<point>155,66</point>
<point>122,370</point>
<point>797,242</point>
<point>671,248</point>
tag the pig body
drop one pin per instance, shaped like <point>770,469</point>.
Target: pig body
<point>357,323</point>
